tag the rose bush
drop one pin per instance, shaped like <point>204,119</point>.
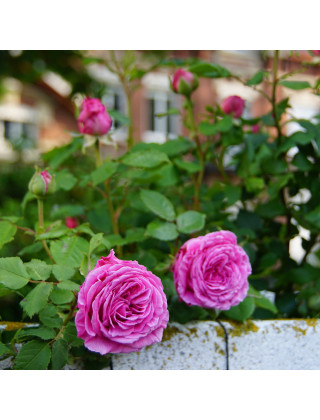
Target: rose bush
<point>212,271</point>
<point>122,307</point>
<point>227,173</point>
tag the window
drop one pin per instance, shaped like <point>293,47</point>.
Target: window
<point>161,128</point>
<point>21,135</point>
<point>114,99</point>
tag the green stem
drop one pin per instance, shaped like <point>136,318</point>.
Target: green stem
<point>113,218</point>
<point>274,94</point>
<point>67,319</point>
<point>41,229</point>
<point>194,136</point>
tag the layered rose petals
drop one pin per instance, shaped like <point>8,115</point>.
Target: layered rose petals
<point>212,271</point>
<point>122,307</point>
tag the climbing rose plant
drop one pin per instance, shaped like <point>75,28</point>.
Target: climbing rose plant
<point>105,250</point>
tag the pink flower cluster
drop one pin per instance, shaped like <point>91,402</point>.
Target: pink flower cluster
<point>94,118</point>
<point>212,271</point>
<point>122,307</point>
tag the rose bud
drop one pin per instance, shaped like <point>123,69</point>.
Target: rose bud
<point>122,307</point>
<point>233,105</point>
<point>42,184</point>
<point>255,128</point>
<point>184,82</point>
<point>212,271</point>
<point>71,222</point>
<point>94,118</point>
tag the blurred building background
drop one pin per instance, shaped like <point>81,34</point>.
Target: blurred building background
<point>38,113</point>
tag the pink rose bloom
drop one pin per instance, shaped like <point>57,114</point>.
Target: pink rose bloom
<point>212,271</point>
<point>94,118</point>
<point>122,307</point>
<point>184,82</point>
<point>233,105</point>
<point>255,128</point>
<point>316,52</point>
<point>71,222</point>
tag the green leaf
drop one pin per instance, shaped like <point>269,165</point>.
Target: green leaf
<point>31,249</point>
<point>177,147</point>
<point>191,167</point>
<point>190,221</point>
<point>42,332</point>
<point>69,251</point>
<point>105,171</point>
<point>135,235</point>
<point>56,232</point>
<point>65,180</point>
<point>145,158</point>
<point>223,125</point>
<point>302,162</point>
<point>162,230</point>
<point>68,285</point>
<point>34,355</point>
<point>49,316</point>
<point>119,117</point>
<point>158,204</point>
<point>62,272</point>
<point>59,354</point>
<point>13,273</point>
<point>204,69</point>
<point>95,241</point>
<point>4,349</point>
<point>60,297</point>
<point>232,193</point>
<point>36,299</point>
<point>38,270</point>
<point>171,111</point>
<point>242,311</point>
<point>58,155</point>
<point>7,232</point>
<point>254,184</point>
<point>262,301</point>
<point>70,335</point>
<point>256,79</point>
<point>295,85</point>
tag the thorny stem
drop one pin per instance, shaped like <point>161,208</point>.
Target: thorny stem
<point>194,136</point>
<point>67,319</point>
<point>41,229</point>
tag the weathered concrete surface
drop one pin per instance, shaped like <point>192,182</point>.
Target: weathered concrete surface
<point>280,344</point>
<point>274,344</point>
<point>198,345</point>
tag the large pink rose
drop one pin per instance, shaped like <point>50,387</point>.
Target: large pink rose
<point>94,118</point>
<point>122,307</point>
<point>184,82</point>
<point>212,271</point>
<point>233,105</point>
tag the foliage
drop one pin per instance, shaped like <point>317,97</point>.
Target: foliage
<point>147,202</point>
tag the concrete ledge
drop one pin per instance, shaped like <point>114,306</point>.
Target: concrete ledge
<point>274,344</point>
<point>199,345</point>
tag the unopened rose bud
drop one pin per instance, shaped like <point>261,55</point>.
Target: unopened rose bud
<point>233,105</point>
<point>255,128</point>
<point>42,184</point>
<point>184,82</point>
<point>71,222</point>
<point>94,118</point>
